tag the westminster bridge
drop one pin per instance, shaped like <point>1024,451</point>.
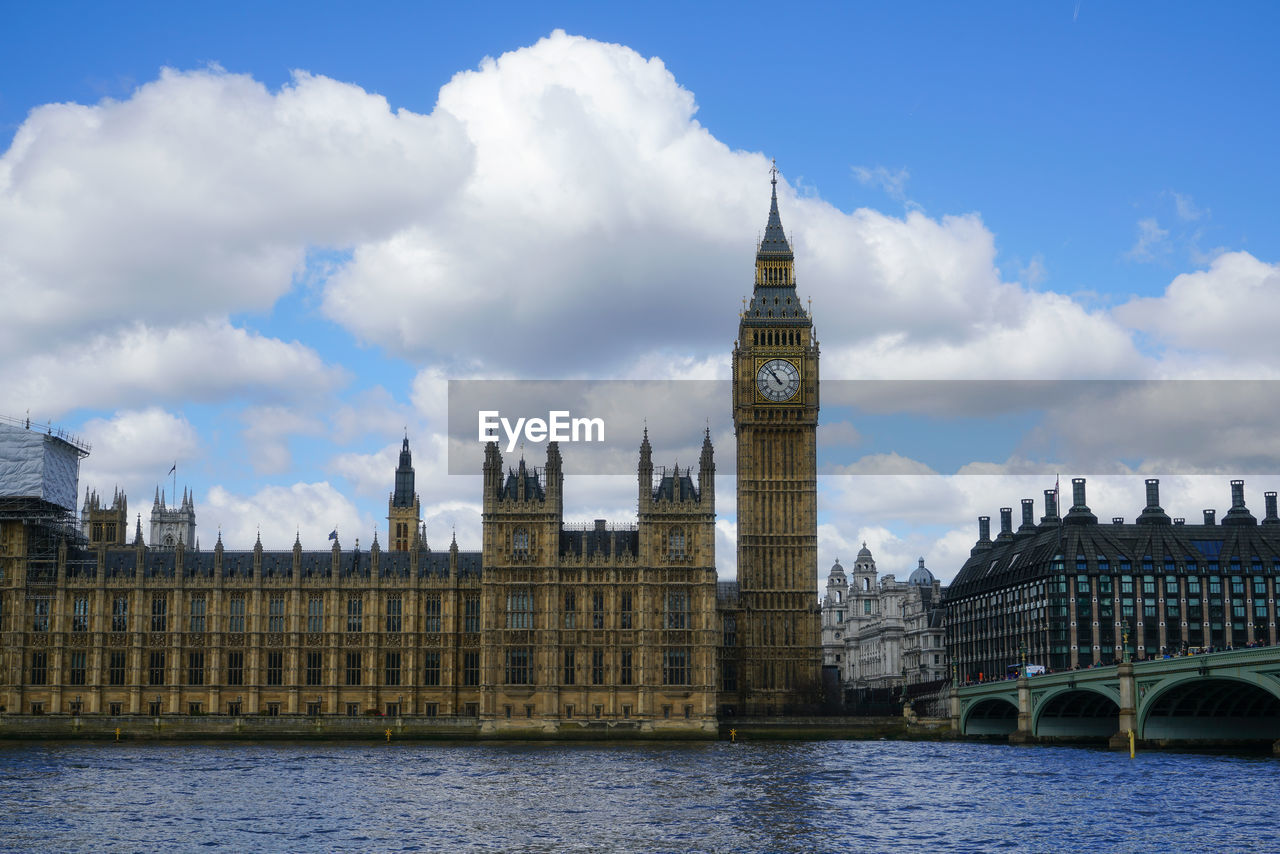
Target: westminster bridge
<point>1229,696</point>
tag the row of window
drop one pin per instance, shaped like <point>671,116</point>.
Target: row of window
<point>520,609</point>
<point>518,668</point>
<point>522,543</point>
<point>197,619</point>
<point>196,672</point>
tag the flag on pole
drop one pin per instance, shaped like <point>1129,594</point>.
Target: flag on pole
<point>333,535</point>
<point>174,468</point>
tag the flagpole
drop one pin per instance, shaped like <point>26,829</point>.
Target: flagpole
<point>175,482</point>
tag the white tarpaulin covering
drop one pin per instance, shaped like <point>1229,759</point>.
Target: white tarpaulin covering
<point>38,465</point>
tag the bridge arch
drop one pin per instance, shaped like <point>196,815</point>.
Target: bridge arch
<point>990,716</point>
<point>1193,706</point>
<point>1087,711</point>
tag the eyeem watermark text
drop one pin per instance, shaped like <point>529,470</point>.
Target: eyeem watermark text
<point>558,426</point>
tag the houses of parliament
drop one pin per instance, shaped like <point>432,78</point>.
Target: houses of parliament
<point>548,626</point>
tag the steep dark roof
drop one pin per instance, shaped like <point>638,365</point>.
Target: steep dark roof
<point>394,563</point>
<point>1010,562</point>
<point>774,245</point>
<point>530,480</point>
<point>678,487</point>
<point>277,564</point>
<point>599,540</point>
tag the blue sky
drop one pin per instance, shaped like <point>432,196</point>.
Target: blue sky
<point>269,276</point>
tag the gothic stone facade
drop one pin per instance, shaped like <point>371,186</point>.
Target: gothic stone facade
<point>548,626</point>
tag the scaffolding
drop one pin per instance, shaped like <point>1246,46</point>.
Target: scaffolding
<point>36,513</point>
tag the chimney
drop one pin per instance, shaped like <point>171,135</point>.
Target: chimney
<point>1271,518</point>
<point>1152,514</point>
<point>1028,525</point>
<point>1050,516</point>
<point>1079,513</point>
<point>984,535</point>
<point>1117,520</point>
<point>1238,514</point>
<point>1179,520</point>
<point>1077,495</point>
<point>1209,516</point>
<point>1006,523</point>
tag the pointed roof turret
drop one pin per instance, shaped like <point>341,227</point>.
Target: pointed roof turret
<point>137,532</point>
<point>774,246</point>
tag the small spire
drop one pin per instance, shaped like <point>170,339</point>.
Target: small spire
<point>297,537</point>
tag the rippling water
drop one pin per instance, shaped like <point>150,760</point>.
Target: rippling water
<point>820,796</point>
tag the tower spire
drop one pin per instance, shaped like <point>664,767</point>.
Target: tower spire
<point>774,245</point>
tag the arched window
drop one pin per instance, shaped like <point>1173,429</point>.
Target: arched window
<point>520,542</point>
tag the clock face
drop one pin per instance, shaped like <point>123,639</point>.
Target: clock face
<point>778,380</point>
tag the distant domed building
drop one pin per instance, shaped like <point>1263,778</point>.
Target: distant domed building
<point>875,630</point>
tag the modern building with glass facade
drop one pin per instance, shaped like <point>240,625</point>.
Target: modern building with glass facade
<point>1072,592</point>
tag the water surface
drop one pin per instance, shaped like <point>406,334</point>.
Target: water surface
<point>819,796</point>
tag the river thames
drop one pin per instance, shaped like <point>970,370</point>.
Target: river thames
<point>815,796</point>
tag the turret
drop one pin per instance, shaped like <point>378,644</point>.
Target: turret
<point>644,473</point>
<point>707,472</point>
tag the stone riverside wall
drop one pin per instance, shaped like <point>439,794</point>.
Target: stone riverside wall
<point>373,728</point>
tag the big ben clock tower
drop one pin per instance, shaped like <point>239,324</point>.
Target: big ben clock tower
<point>775,417</point>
